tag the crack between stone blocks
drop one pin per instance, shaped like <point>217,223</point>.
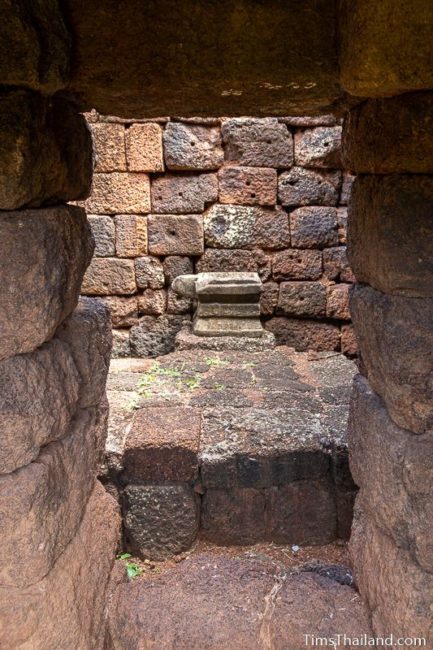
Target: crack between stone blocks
<point>265,634</point>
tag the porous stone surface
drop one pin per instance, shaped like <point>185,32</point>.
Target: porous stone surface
<point>304,299</point>
<point>118,193</point>
<point>301,186</point>
<point>296,264</point>
<point>183,194</point>
<point>103,232</point>
<point>187,340</point>
<point>160,520</point>
<point>123,310</point>
<point>175,234</point>
<point>175,265</point>
<point>48,281</point>
<point>380,251</point>
<point>337,301</point>
<point>235,226</point>
<point>304,334</point>
<point>314,227</point>
<point>131,235</point>
<point>398,363</point>
<point>109,145</point>
<point>73,592</point>
<point>149,273</point>
<point>188,606</point>
<point>152,302</point>
<point>257,142</point>
<point>143,145</point>
<point>320,147</point>
<point>192,147</point>
<point>29,124</point>
<point>336,265</point>
<point>106,276</point>
<point>216,260</point>
<point>154,336</point>
<point>247,185</point>
<point>390,136</point>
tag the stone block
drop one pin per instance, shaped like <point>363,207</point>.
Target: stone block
<point>336,266</point>
<point>131,235</point>
<point>234,516</point>
<point>104,235</point>
<point>269,298</point>
<point>337,301</point>
<point>123,311</point>
<point>121,345</point>
<point>216,260</point>
<point>346,188</point>
<point>228,327</point>
<point>109,145</point>
<point>304,299</point>
<point>143,144</point>
<point>381,251</point>
<point>247,185</point>
<point>319,147</point>
<point>314,227</point>
<point>236,226</point>
<point>304,334</point>
<point>342,225</point>
<point>393,469</point>
<point>38,398</point>
<point>31,124</point>
<point>109,275</point>
<point>40,290</point>
<point>349,344</point>
<point>175,265</point>
<point>158,450</point>
<point>41,504</point>
<point>118,193</point>
<point>152,302</point>
<point>160,520</point>
<point>171,234</point>
<point>183,194</point>
<point>87,331</point>
<point>255,142</point>
<point>301,186</point>
<point>67,608</point>
<point>149,273</point>
<point>308,121</point>
<point>177,304</point>
<point>395,338</point>
<point>153,336</point>
<point>192,147</point>
<point>298,264</point>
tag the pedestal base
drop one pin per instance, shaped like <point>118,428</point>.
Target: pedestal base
<point>187,340</point>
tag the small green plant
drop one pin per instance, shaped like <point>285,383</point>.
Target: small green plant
<point>134,403</point>
<point>215,362</point>
<point>132,568</point>
<point>192,383</point>
<point>219,386</point>
<point>249,364</point>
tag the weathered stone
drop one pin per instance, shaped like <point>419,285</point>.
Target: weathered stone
<point>308,121</point>
<point>342,225</point>
<point>393,469</point>
<point>149,273</point>
<point>29,124</point>
<point>40,289</point>
<point>192,147</point>
<point>109,275</point>
<point>320,147</point>
<point>153,337</point>
<point>177,304</point>
<point>349,345</point>
<point>247,185</point>
<point>38,397</point>
<point>295,264</point>
<point>66,609</point>
<point>183,194</point>
<point>235,260</point>
<point>123,311</point>
<point>269,298</point>
<point>186,285</point>
<point>381,250</point>
<point>385,50</point>
<point>186,607</point>
<point>41,504</point>
<point>337,301</point>
<point>118,193</point>
<point>400,601</point>
<point>152,302</point>
<point>160,520</point>
<point>228,326</point>
<point>336,265</point>
<point>171,234</point>
<point>121,344</point>
<point>235,226</point>
<point>87,331</point>
<point>396,342</point>
<point>346,188</point>
<point>109,144</point>
<point>186,340</point>
<point>304,334</point>
<point>233,516</point>
<point>301,186</point>
<point>174,266</point>
<point>155,450</point>
<point>131,235</point>
<point>143,144</point>
<point>104,235</point>
<point>314,227</point>
<point>258,142</point>
<point>305,299</point>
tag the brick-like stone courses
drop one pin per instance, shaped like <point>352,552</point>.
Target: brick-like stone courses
<point>242,194</point>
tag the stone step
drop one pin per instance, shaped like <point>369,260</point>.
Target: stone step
<point>253,600</point>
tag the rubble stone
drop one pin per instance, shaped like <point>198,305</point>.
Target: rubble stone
<point>152,302</point>
<point>149,273</point>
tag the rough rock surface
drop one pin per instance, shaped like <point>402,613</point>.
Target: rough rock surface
<point>149,273</point>
<point>235,260</point>
<point>155,336</point>
<point>103,231</point>
<point>143,145</point>
<point>214,602</point>
<point>109,145</point>
<point>131,235</point>
<point>43,256</point>
<point>301,186</point>
<point>183,194</point>
<point>247,185</point>
<point>314,227</point>
<point>320,147</point>
<point>304,334</point>
<point>118,193</point>
<point>304,299</point>
<point>109,276</point>
<point>192,147</point>
<point>297,264</point>
<point>257,142</point>
<point>173,234</point>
